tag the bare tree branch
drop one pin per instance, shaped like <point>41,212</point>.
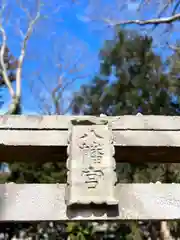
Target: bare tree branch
<point>3,66</point>
<point>55,97</point>
<point>2,51</point>
<point>156,21</point>
<point>43,107</point>
<point>176,7</point>
<point>165,7</point>
<point>69,67</point>
<point>173,47</point>
<point>23,52</point>
<point>24,9</point>
<point>16,95</point>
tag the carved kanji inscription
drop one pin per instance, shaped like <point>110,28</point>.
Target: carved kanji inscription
<point>91,166</point>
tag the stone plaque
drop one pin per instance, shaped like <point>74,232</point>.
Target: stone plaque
<point>91,166</point>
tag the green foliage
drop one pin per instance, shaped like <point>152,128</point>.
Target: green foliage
<point>81,231</point>
<point>37,173</point>
<point>134,79</point>
<point>140,84</point>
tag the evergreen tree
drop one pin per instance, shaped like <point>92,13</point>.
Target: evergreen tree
<point>140,84</point>
<point>132,79</point>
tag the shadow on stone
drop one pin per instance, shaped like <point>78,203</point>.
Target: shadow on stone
<point>101,211</point>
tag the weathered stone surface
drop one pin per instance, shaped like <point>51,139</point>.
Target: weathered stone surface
<point>28,138</point>
<point>123,122</point>
<point>45,202</point>
<point>91,166</point>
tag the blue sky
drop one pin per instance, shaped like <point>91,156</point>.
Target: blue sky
<point>49,32</point>
<point>66,27</point>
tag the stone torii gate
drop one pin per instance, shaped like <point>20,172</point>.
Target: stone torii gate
<point>90,146</point>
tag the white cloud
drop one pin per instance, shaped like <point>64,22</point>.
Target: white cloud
<point>83,18</point>
<point>133,6</point>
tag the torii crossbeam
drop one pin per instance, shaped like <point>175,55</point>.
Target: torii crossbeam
<point>90,146</point>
